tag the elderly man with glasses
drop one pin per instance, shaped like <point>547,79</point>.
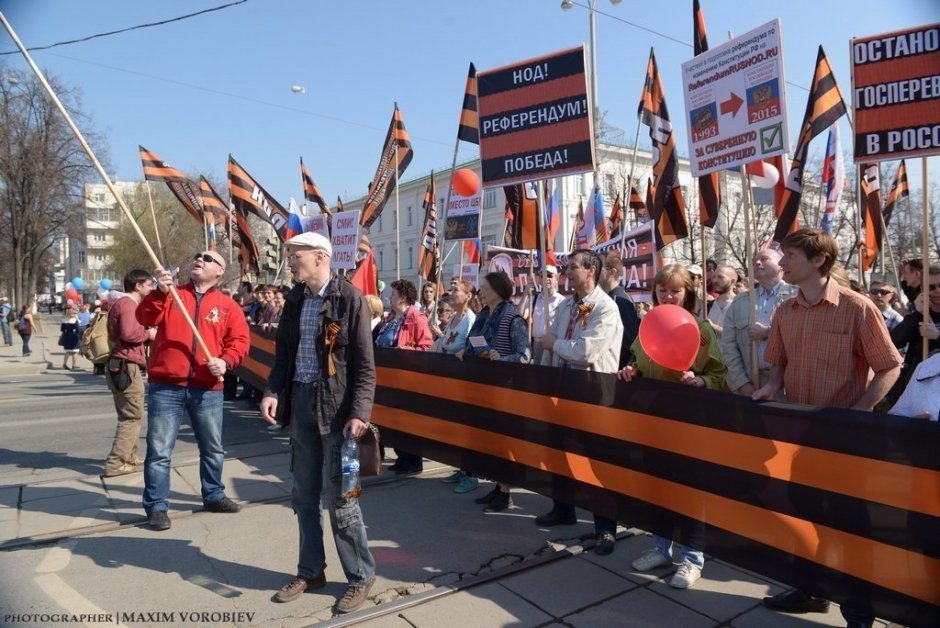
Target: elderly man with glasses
<point>182,377</point>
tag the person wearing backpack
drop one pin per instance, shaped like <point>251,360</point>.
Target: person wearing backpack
<point>123,373</point>
<point>24,327</point>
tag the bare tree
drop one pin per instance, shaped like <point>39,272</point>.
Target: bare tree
<point>42,173</point>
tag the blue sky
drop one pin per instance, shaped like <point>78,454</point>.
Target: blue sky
<point>194,91</point>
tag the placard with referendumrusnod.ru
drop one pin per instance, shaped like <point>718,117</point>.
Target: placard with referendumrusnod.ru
<point>735,102</point>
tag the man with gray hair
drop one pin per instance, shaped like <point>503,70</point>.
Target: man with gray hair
<point>739,334</point>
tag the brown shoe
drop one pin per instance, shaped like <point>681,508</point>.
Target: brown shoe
<point>137,462</point>
<point>354,597</point>
<point>296,587</point>
<point>124,469</point>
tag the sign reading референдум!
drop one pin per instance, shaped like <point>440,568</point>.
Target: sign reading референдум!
<point>896,94</point>
<point>735,101</point>
<point>535,119</point>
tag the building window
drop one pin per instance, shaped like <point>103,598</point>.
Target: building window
<point>411,256</point>
<point>99,197</point>
<point>380,223</point>
<point>489,199</point>
<point>99,258</point>
<point>382,259</point>
<point>610,182</point>
<point>489,240</point>
<point>410,216</point>
<point>81,257</point>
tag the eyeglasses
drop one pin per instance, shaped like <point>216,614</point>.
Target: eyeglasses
<point>933,286</point>
<point>206,258</point>
<point>879,293</point>
<point>442,310</point>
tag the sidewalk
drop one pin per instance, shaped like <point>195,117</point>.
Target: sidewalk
<point>440,559</point>
<point>12,360</point>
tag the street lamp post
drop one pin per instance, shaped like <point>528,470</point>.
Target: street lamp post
<point>566,5</point>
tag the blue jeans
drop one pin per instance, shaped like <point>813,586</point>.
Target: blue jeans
<point>26,343</point>
<point>7,338</point>
<point>686,554</point>
<point>165,406</point>
<point>315,464</point>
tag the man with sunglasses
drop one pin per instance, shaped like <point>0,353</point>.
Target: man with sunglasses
<point>182,377</point>
<point>883,296</point>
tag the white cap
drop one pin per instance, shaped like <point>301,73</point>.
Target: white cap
<point>695,269</point>
<point>551,269</point>
<point>312,239</point>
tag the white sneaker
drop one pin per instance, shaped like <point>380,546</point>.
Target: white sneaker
<point>651,559</point>
<point>685,576</point>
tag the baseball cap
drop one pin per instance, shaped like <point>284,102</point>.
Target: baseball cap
<point>551,270</point>
<point>695,269</point>
<point>313,240</point>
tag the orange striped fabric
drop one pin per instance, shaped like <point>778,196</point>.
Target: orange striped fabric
<point>427,250</point>
<point>396,155</point>
<point>469,128</point>
<point>870,208</point>
<point>183,188</point>
<point>827,349</point>
<point>709,189</point>
<point>311,191</point>
<point>899,190</point>
<point>616,218</point>
<point>248,196</point>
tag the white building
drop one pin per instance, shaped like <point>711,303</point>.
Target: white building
<point>89,255</point>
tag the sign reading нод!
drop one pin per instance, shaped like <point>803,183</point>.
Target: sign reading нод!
<point>535,119</point>
<point>896,94</point>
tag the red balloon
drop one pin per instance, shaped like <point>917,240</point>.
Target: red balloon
<point>72,294</point>
<point>465,182</point>
<point>670,336</point>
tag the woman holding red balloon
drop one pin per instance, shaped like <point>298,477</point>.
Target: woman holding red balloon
<point>675,345</point>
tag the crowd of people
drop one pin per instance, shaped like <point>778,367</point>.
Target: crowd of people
<point>805,334</point>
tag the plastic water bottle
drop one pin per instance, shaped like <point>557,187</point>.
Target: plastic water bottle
<point>349,456</point>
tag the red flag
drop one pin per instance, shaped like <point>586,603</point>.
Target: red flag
<point>366,277</point>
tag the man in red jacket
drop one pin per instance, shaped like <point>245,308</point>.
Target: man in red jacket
<point>182,377</point>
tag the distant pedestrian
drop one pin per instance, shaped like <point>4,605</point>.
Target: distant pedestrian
<point>70,339</point>
<point>124,373</point>
<point>24,327</point>
<point>84,317</point>
<point>5,309</point>
<point>183,379</point>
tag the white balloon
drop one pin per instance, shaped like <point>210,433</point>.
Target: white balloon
<point>768,179</point>
<point>298,89</point>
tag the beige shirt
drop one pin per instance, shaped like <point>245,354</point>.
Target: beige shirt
<point>594,344</point>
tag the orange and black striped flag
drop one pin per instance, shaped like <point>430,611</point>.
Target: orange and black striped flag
<point>870,207</point>
<point>898,191</point>
<point>709,188</point>
<point>339,204</point>
<point>213,204</point>
<point>469,129</point>
<point>248,254</point>
<point>249,196</point>
<point>824,107</point>
<point>183,188</point>
<point>396,155</point>
<point>523,204</point>
<point>638,205</point>
<point>616,218</point>
<point>668,206</point>
<point>427,250</point>
<point>311,191</point>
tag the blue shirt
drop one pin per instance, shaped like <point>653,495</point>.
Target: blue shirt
<point>306,364</point>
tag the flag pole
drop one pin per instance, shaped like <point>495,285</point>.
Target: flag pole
<point>543,250</point>
<point>205,229</point>
<point>104,176</point>
<point>231,219</point>
<point>397,234</point>
<point>925,260</point>
<point>153,215</point>
<point>636,141</point>
<point>749,254</point>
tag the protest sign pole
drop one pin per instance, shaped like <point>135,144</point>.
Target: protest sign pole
<point>397,234</point>
<point>543,251</point>
<point>104,175</point>
<point>925,273</point>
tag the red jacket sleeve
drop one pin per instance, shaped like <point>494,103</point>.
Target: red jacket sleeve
<point>237,340</point>
<point>151,309</point>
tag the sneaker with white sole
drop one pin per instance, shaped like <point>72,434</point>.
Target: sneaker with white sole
<point>454,477</point>
<point>651,559</point>
<point>686,575</point>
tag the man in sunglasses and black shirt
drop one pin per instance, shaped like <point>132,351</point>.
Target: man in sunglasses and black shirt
<point>182,377</point>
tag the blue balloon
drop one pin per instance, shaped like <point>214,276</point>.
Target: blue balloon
<point>78,283</point>
<point>105,283</point>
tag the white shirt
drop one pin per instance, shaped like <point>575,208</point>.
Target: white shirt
<point>922,394</point>
<point>538,313</point>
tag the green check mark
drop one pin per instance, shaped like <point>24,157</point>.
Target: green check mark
<point>771,138</point>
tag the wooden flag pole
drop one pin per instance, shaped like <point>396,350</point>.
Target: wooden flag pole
<point>153,215</point>
<point>925,273</point>
<point>636,141</point>
<point>749,254</point>
<point>543,250</point>
<point>231,219</point>
<point>104,176</point>
<point>205,228</point>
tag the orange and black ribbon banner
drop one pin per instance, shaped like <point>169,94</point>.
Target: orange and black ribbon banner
<point>843,504</point>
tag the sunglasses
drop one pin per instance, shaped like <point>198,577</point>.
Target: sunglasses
<point>442,310</point>
<point>206,258</point>
<point>933,286</point>
<point>880,293</point>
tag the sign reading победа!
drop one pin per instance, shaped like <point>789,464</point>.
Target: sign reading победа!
<point>735,101</point>
<point>535,119</point>
<point>896,94</point>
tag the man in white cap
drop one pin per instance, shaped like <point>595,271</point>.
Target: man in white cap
<point>322,386</point>
<point>538,310</point>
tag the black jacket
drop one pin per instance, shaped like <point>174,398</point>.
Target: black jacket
<point>350,392</point>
